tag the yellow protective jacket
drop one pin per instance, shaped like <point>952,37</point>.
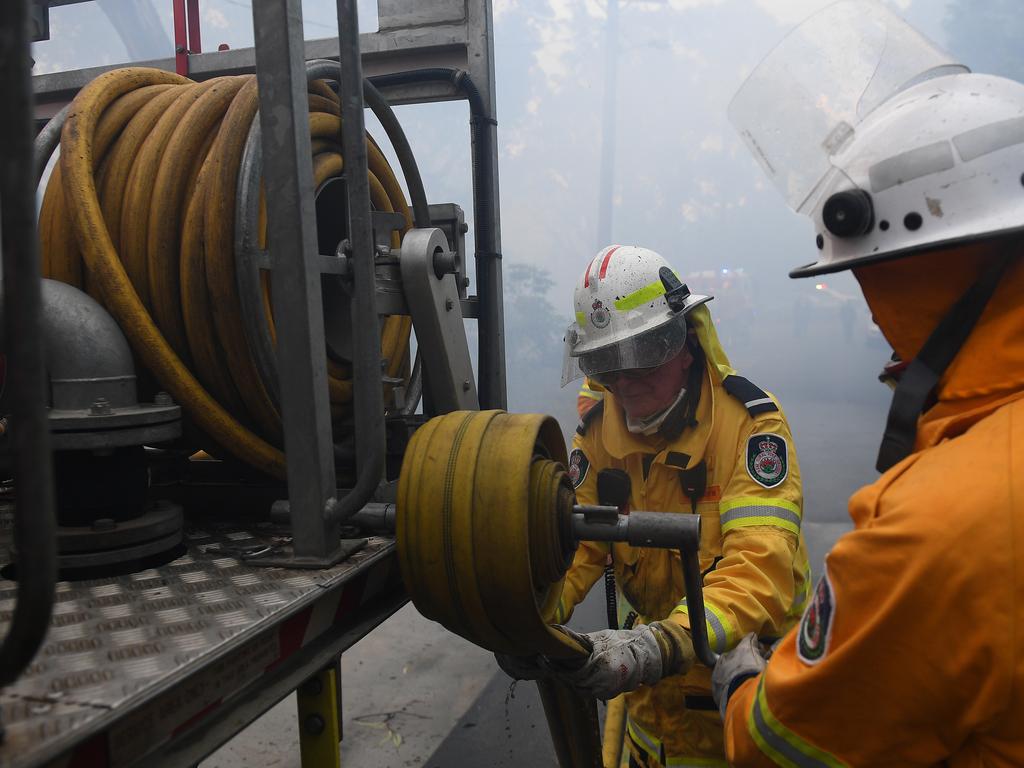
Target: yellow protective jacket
<point>751,548</point>
<point>911,652</point>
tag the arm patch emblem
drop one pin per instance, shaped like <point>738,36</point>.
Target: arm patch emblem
<point>816,626</point>
<point>579,466</point>
<point>767,459</point>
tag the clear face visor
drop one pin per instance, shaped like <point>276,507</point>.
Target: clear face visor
<point>804,101</point>
<point>648,350</point>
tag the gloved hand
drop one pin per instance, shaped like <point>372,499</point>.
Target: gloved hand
<point>622,660</point>
<point>743,662</point>
<point>523,667</point>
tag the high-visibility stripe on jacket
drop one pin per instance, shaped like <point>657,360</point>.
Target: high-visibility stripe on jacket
<point>758,582</point>
<point>910,651</point>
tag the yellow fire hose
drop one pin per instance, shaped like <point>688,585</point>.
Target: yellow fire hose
<point>140,212</point>
<point>614,737</point>
<point>484,541</point>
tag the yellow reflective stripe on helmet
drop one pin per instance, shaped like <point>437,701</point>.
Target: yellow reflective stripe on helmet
<point>581,319</point>
<point>652,746</point>
<point>748,511</point>
<point>648,293</point>
<point>781,744</point>
<point>719,635</point>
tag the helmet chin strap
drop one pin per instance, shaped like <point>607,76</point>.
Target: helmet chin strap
<point>917,384</point>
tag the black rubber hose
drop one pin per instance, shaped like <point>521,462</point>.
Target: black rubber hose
<point>382,110</point>
<point>488,256</point>
<point>34,524</point>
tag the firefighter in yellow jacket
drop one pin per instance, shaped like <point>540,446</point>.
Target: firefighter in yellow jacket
<point>910,652</point>
<point>676,431</point>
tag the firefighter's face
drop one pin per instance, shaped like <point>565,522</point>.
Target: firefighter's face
<point>646,391</point>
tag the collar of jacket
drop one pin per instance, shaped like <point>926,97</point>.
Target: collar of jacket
<point>987,372</point>
<point>619,442</point>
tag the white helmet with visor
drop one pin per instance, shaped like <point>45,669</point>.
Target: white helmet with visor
<point>886,143</point>
<point>629,306</point>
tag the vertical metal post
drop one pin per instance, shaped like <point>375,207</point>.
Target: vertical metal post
<point>491,343</point>
<point>366,360</point>
<point>180,38</point>
<point>195,43</point>
<point>34,531</point>
<point>294,277</point>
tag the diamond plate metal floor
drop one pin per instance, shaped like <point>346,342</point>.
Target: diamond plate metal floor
<point>132,661</point>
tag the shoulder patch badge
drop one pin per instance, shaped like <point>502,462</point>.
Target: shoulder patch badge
<point>767,459</point>
<point>579,466</point>
<point>816,625</point>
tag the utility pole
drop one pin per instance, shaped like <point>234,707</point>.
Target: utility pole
<point>608,121</point>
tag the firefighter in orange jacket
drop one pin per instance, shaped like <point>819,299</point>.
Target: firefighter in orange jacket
<point>910,651</point>
<point>677,430</point>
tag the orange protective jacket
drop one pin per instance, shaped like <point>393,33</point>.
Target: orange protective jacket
<point>911,652</point>
<point>751,547</point>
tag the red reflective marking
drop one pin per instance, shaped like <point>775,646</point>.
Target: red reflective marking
<point>590,266</point>
<point>196,718</point>
<point>607,258</point>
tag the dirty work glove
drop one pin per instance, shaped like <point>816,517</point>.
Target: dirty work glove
<point>523,667</point>
<point>622,660</point>
<point>743,662</point>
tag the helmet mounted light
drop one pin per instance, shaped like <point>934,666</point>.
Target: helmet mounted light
<point>676,291</point>
<point>848,213</point>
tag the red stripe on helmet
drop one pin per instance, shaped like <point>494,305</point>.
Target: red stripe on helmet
<point>607,258</point>
<point>590,266</point>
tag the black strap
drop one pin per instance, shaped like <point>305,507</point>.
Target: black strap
<point>916,388</point>
<point>701,703</point>
<point>647,460</point>
<point>754,399</point>
<point>588,417</point>
<point>614,488</point>
<point>694,481</point>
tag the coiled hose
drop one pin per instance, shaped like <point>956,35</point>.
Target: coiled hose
<point>141,213</point>
<point>484,539</point>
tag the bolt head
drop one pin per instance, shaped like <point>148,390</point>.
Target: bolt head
<point>163,399</point>
<point>100,407</point>
<point>314,725</point>
<point>448,304</point>
<point>312,687</point>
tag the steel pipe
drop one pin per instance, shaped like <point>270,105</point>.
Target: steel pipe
<point>366,361</point>
<point>34,519</point>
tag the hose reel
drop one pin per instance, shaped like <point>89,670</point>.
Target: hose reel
<point>155,209</point>
<point>484,539</point>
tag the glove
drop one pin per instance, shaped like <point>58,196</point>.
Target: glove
<point>622,660</point>
<point>523,667</point>
<point>743,662</point>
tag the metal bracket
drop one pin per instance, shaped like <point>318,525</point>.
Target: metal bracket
<point>319,709</point>
<point>284,556</point>
<point>437,319</point>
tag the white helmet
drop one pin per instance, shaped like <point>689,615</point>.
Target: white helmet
<point>887,152</point>
<point>629,307</point>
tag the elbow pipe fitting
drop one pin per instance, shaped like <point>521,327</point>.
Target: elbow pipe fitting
<point>87,355</point>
